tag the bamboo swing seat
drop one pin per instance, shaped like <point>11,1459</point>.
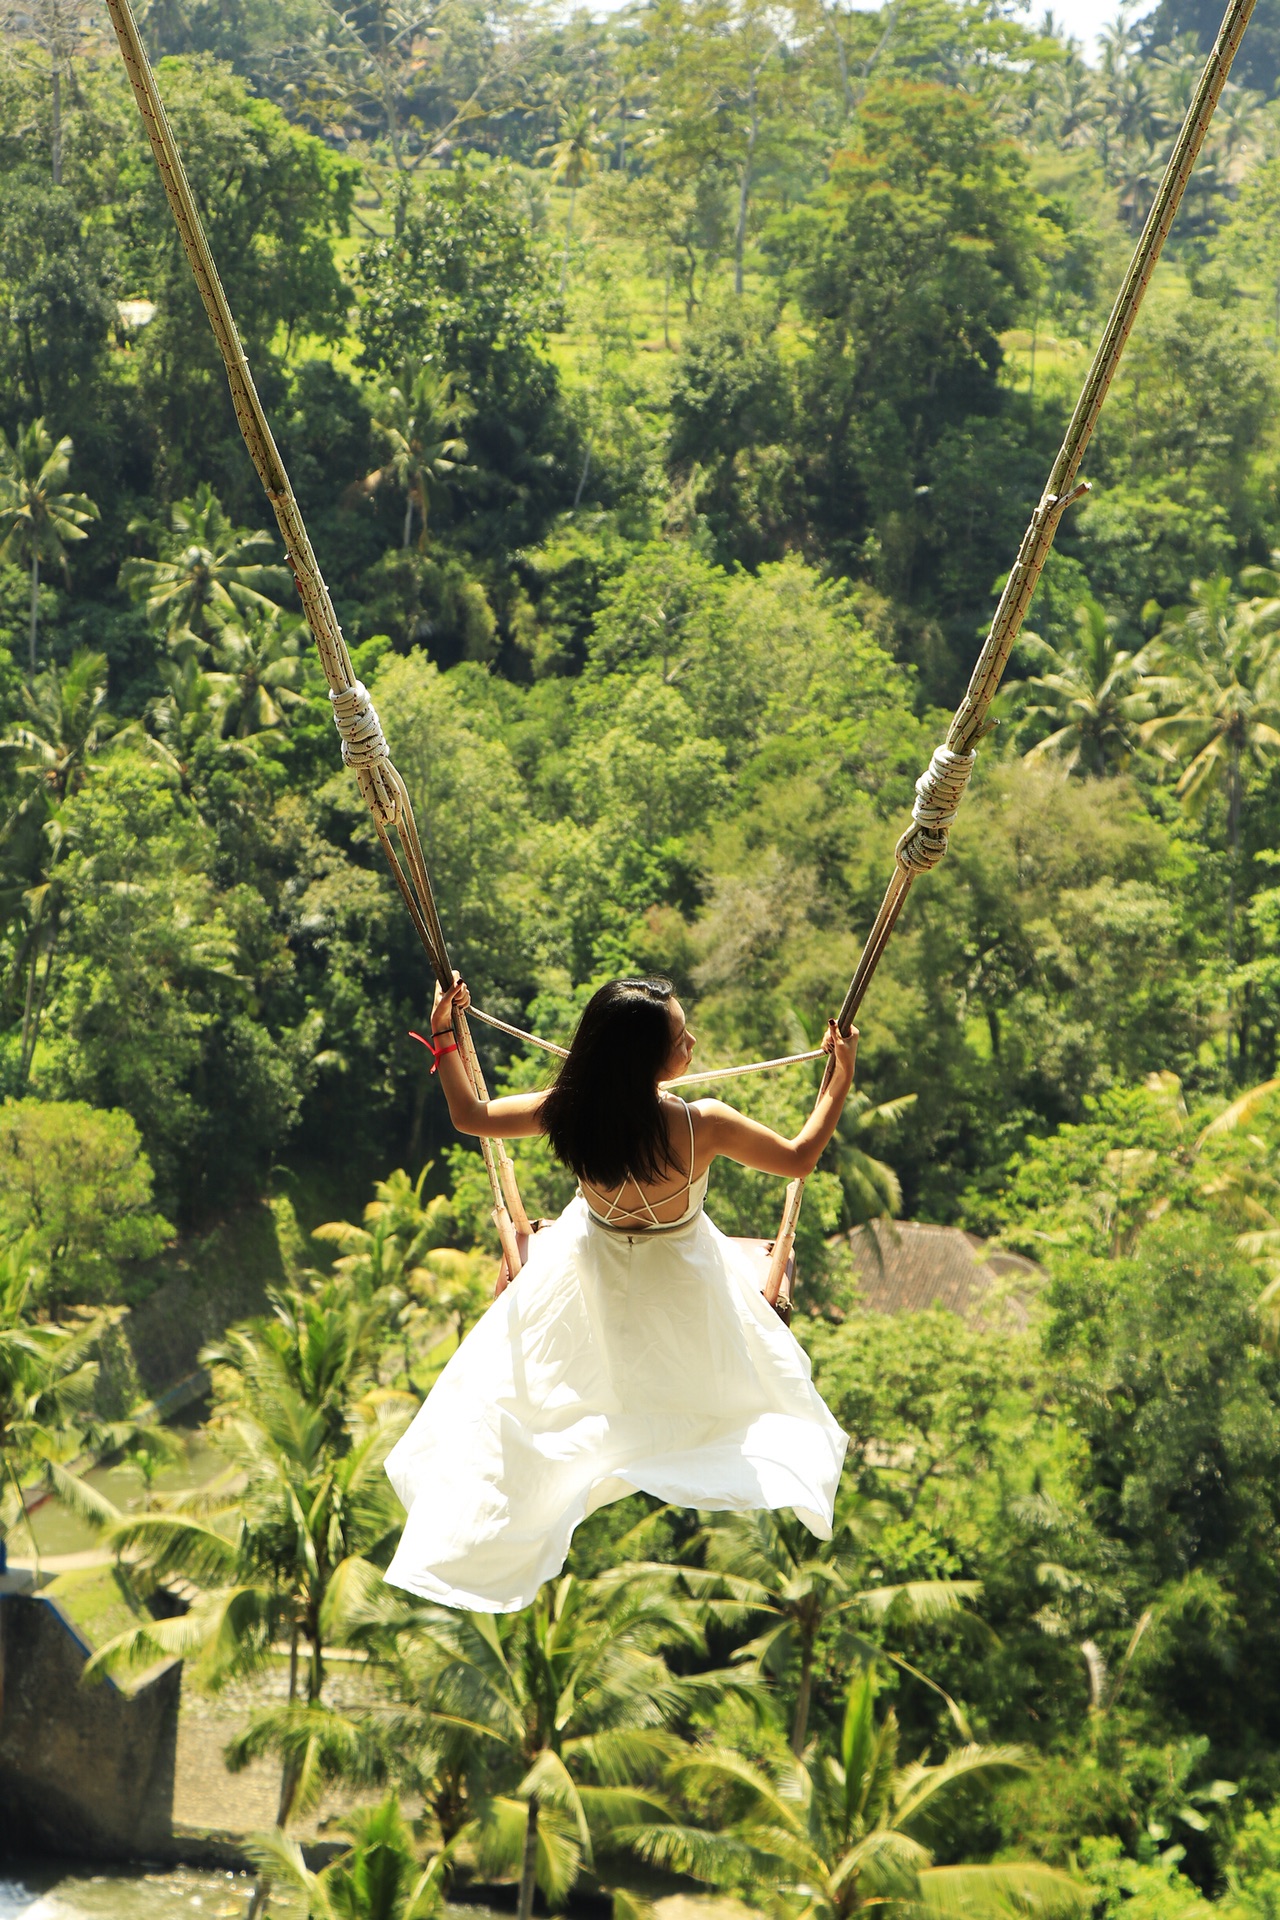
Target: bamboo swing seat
<point>940,788</point>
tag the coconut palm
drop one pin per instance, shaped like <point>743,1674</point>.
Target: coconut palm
<point>574,1697</point>
<point>841,1834</point>
<point>1092,693</point>
<point>420,418</point>
<point>42,904</point>
<point>574,160</point>
<point>40,516</point>
<point>47,1378</point>
<point>427,1291</point>
<point>65,725</point>
<point>1221,656</point>
<point>182,716</point>
<point>768,1566</point>
<point>255,685</point>
<point>871,1187</point>
<point>379,1878</point>
<point>400,1229</point>
<point>211,572</point>
<point>280,1544</point>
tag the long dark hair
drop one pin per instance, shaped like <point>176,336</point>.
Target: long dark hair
<point>603,1115</point>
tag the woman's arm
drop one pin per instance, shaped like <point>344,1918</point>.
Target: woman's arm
<point>511,1118</point>
<point>753,1145</point>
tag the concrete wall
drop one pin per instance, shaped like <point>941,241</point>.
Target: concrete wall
<point>83,1770</point>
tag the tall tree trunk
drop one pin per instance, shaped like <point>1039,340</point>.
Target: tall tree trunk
<point>568,238</point>
<point>32,1033</point>
<point>55,142</point>
<point>529,1861</point>
<point>28,1003</point>
<point>666,307</point>
<point>582,478</point>
<point>34,625</point>
<point>691,288</point>
<point>800,1724</point>
<point>1233,840</point>
<point>288,1788</point>
<point>744,193</point>
<point>407,535</point>
<point>842,61</point>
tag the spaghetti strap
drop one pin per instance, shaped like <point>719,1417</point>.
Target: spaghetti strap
<point>613,1204</point>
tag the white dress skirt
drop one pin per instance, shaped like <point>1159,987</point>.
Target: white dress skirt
<point>617,1363</point>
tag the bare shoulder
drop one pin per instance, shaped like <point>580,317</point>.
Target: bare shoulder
<point>712,1117</point>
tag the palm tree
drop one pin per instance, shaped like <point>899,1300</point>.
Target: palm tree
<point>255,686</point>
<point>1222,657</point>
<point>47,1378</point>
<point>46,1375</point>
<point>39,514</point>
<point>573,1694</point>
<point>66,724</point>
<point>284,1544</point>
<point>768,1565</point>
<point>841,1835</point>
<point>573,160</point>
<point>871,1187</point>
<point>420,421</point>
<point>182,716</point>
<point>387,1260</point>
<point>42,903</point>
<point>379,1878</point>
<point>210,573</point>
<point>1092,693</point>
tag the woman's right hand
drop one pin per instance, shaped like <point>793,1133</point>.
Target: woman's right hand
<point>446,1000</point>
<point>843,1051</point>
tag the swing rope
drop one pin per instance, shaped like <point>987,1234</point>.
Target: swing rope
<point>364,746</point>
<point>939,790</point>
<point>705,1079</point>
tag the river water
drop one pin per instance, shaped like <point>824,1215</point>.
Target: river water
<point>128,1893</point>
<point>46,1892</point>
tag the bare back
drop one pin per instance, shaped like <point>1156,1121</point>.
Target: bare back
<point>647,1206</point>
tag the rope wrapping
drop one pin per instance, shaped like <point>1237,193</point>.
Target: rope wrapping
<point>365,749</point>
<point>939,791</point>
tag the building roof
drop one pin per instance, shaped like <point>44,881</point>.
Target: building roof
<point>908,1266</point>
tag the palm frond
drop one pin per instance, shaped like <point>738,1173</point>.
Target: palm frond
<point>1000,1892</point>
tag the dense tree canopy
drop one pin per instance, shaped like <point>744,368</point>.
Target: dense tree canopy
<point>666,395</point>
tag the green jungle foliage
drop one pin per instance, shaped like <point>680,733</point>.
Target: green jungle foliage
<point>666,396</point>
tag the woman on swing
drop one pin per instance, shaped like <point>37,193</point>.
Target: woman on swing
<point>635,1353</point>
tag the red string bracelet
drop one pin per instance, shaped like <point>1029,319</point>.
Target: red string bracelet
<point>437,1053</point>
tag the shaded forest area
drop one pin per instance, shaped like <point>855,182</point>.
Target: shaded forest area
<point>666,396</point>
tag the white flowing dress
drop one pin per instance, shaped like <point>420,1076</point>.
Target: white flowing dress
<point>620,1361</point>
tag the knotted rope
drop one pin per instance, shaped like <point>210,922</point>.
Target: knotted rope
<point>365,749</point>
<point>939,791</point>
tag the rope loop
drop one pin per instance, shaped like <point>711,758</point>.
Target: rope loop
<point>365,749</point>
<point>939,791</point>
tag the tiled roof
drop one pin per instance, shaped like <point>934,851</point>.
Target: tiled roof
<point>907,1266</point>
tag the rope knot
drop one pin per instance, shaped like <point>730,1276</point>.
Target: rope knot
<point>365,749</point>
<point>939,791</point>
